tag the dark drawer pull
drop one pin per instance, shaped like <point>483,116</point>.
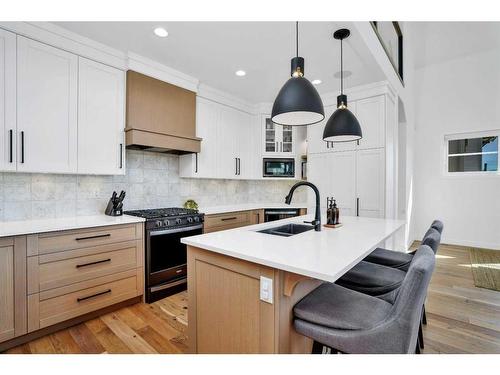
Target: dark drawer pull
<point>92,263</point>
<point>93,295</point>
<point>229,218</point>
<point>93,237</point>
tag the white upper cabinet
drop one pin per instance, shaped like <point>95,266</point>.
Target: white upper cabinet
<point>7,101</point>
<point>370,113</point>
<point>278,140</point>
<point>47,85</point>
<point>315,142</point>
<point>101,118</point>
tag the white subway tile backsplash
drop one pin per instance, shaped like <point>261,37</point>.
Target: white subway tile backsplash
<point>151,181</point>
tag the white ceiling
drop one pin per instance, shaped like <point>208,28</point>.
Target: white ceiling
<point>213,51</point>
<point>437,42</point>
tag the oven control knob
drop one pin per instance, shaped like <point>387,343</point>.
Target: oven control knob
<point>166,223</point>
<point>178,221</point>
<point>159,223</point>
<point>196,219</point>
<point>190,219</point>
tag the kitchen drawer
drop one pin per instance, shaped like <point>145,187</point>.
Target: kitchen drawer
<point>226,221</point>
<point>45,309</point>
<point>47,243</point>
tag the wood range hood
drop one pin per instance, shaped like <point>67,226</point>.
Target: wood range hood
<point>160,117</point>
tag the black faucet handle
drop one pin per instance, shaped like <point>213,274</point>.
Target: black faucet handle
<point>314,222</point>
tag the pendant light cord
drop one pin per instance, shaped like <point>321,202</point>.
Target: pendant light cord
<point>297,38</point>
<point>341,70</point>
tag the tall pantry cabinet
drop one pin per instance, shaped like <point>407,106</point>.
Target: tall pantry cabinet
<point>356,174</point>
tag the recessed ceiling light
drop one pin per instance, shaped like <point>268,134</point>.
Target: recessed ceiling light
<point>240,73</point>
<point>316,82</point>
<point>161,32</point>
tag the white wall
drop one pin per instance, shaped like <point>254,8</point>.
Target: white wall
<point>457,96</point>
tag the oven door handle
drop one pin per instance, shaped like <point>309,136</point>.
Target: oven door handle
<point>175,230</point>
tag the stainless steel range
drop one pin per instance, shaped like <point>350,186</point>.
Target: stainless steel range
<point>166,269</point>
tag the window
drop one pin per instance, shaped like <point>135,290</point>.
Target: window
<point>472,153</point>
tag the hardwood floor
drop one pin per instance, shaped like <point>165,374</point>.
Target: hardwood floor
<point>461,319</point>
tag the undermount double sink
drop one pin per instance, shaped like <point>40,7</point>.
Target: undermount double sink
<point>287,230</point>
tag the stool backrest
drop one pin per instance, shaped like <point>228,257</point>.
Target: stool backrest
<point>438,225</point>
<point>407,309</point>
<point>432,239</point>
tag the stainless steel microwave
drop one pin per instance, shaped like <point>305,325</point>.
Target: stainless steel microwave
<point>278,167</point>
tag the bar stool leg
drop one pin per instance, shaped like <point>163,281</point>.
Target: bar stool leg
<point>317,348</point>
<point>424,316</point>
<point>421,336</point>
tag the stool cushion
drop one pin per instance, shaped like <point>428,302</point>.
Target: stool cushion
<point>373,279</point>
<point>333,306</point>
<point>389,258</point>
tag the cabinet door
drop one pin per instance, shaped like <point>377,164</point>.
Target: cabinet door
<point>287,141</point>
<point>207,117</point>
<point>370,113</point>
<point>245,146</point>
<point>227,141</point>
<point>271,136</point>
<point>370,182</point>
<point>12,287</point>
<point>7,101</point>
<point>318,174</point>
<point>341,173</point>
<point>315,142</point>
<point>46,108</point>
<point>100,118</point>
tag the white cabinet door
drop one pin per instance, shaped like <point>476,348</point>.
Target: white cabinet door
<point>370,113</point>
<point>100,118</point>
<point>317,164</point>
<point>227,141</point>
<point>278,140</point>
<point>370,182</point>
<point>245,150</point>
<point>342,181</point>
<point>7,101</point>
<point>46,108</point>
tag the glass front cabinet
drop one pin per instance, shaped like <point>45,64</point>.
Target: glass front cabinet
<point>278,139</point>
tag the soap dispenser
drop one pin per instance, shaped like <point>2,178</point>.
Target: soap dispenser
<point>330,214</point>
<point>335,212</point>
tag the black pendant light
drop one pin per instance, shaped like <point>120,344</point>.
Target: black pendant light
<point>342,126</point>
<point>298,102</point>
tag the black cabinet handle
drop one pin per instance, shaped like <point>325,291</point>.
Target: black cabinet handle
<point>10,146</point>
<point>93,263</point>
<point>236,166</point>
<point>357,206</point>
<point>357,142</point>
<point>196,163</point>
<point>228,218</point>
<point>239,166</point>
<point>93,237</point>
<point>121,155</point>
<point>93,295</point>
<point>22,146</point>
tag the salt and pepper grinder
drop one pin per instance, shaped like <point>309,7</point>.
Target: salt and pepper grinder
<point>336,212</point>
<point>330,215</point>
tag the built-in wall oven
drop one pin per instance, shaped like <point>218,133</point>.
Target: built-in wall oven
<point>272,167</point>
<point>166,256</point>
<point>272,214</point>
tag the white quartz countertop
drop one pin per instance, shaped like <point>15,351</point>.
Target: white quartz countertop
<point>324,255</point>
<point>14,228</point>
<point>211,210</point>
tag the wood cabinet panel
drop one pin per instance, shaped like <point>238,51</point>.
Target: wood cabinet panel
<point>7,310</point>
<point>157,106</point>
<point>81,238</point>
<point>228,220</point>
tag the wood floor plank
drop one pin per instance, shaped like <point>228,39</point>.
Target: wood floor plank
<point>136,343</point>
<point>42,345</point>
<point>160,343</point>
<point>111,343</point>
<point>64,343</point>
<point>86,340</point>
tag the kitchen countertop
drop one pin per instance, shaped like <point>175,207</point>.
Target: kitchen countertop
<point>324,255</point>
<point>15,228</point>
<point>246,207</point>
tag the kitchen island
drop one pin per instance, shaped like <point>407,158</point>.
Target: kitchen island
<point>243,284</point>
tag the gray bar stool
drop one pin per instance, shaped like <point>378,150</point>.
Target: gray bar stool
<point>353,322</point>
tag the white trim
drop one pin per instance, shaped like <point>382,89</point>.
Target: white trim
<point>361,92</point>
<point>55,36</point>
<point>224,98</point>
<point>162,72</point>
<point>480,244</point>
<point>478,134</point>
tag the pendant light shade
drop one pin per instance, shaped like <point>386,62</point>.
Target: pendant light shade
<point>298,103</point>
<point>342,126</point>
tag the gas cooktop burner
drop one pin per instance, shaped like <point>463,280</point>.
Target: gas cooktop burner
<point>161,212</point>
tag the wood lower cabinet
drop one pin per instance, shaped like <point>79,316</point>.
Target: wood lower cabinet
<point>56,277</point>
<point>12,287</point>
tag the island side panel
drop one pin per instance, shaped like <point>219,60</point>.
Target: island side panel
<point>226,314</point>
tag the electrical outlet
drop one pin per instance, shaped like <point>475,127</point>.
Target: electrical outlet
<point>266,289</point>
